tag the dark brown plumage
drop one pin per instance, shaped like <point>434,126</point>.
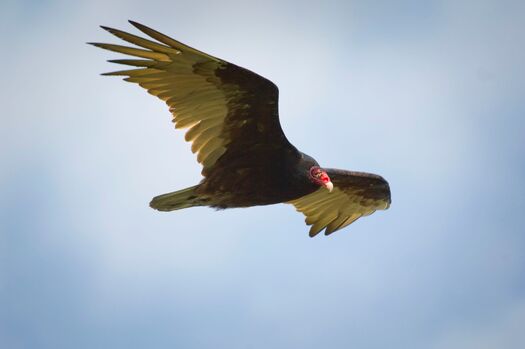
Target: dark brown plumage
<point>233,121</point>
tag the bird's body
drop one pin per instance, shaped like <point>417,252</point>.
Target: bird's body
<point>253,184</point>
<point>233,122</point>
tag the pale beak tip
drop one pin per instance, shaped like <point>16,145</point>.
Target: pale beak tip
<point>329,186</point>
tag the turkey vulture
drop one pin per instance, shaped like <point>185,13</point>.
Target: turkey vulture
<point>232,119</point>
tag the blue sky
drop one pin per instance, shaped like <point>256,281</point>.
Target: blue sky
<point>427,94</point>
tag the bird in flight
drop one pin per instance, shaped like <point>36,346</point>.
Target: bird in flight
<point>232,120</point>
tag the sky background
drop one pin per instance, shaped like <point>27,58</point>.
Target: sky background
<point>429,94</point>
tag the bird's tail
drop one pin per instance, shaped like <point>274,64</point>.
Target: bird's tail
<point>177,200</point>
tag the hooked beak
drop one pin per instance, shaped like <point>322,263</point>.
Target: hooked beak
<point>326,182</point>
<point>329,185</point>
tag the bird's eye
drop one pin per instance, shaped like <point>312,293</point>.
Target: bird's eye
<point>316,173</point>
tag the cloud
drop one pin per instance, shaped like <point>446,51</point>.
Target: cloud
<point>504,330</point>
<point>428,96</point>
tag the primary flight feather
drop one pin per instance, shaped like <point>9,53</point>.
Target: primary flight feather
<point>233,124</point>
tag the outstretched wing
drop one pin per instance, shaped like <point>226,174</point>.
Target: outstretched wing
<point>228,110</point>
<point>355,195</point>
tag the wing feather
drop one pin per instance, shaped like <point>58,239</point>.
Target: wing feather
<point>137,40</point>
<point>172,42</point>
<point>157,56</point>
<point>355,195</point>
<point>213,98</point>
<point>202,126</point>
<point>133,62</point>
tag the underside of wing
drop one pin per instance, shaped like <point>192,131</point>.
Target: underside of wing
<point>355,195</point>
<point>225,108</point>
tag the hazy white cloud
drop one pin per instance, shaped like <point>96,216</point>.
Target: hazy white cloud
<point>503,330</point>
<point>425,95</point>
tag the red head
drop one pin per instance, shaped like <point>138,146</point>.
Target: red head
<point>320,177</point>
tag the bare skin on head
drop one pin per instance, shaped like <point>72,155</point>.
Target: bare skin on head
<point>321,178</point>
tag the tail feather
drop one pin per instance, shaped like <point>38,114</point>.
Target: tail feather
<point>176,200</point>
